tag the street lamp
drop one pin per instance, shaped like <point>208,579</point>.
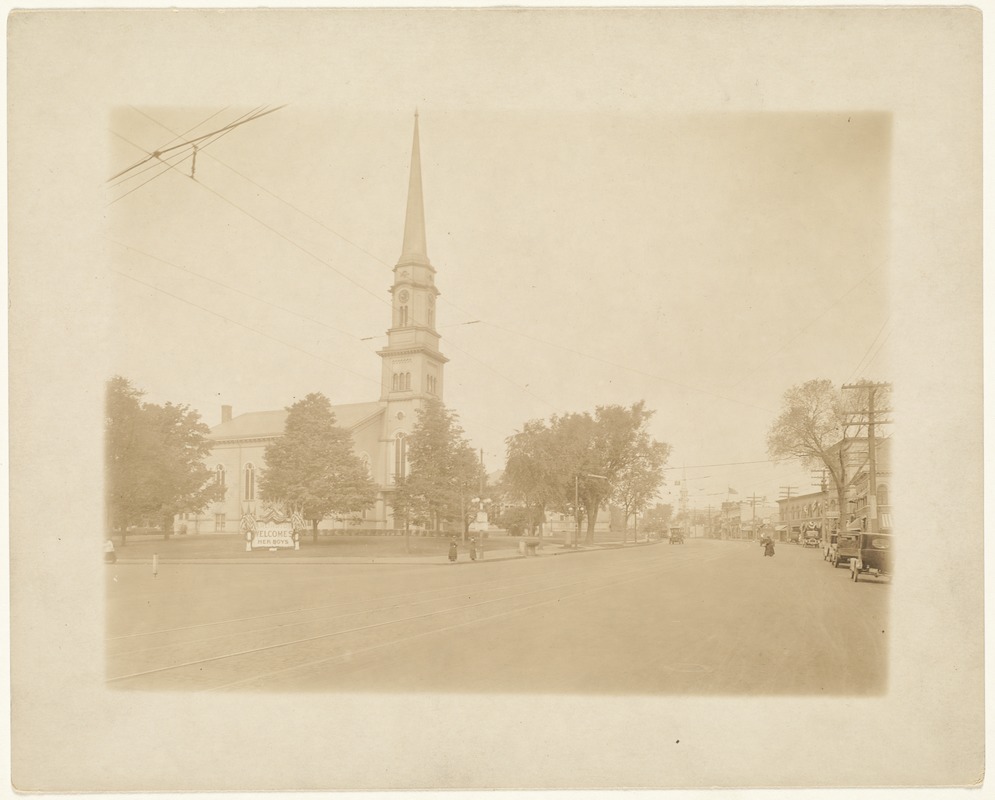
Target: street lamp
<point>577,478</point>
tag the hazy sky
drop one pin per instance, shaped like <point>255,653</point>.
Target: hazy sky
<point>702,262</point>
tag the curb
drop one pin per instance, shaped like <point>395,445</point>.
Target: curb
<point>425,561</point>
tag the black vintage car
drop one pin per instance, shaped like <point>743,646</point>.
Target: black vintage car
<point>677,537</point>
<point>874,556</point>
<point>847,548</point>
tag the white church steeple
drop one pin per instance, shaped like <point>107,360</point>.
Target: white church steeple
<point>412,363</point>
<point>414,249</point>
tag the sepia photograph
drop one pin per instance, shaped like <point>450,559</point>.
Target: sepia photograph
<point>605,440</point>
<point>448,388</point>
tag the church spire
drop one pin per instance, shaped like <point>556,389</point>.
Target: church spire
<point>414,248</point>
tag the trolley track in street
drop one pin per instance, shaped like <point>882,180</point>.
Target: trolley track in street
<point>312,649</point>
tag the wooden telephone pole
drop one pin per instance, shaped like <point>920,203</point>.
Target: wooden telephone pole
<point>868,416</point>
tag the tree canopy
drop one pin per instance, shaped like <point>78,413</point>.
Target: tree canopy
<point>588,459</point>
<point>154,459</point>
<point>312,469</point>
<point>821,425</point>
<point>444,473</point>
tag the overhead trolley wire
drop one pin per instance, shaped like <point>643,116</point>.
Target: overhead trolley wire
<point>790,340</point>
<point>247,327</point>
<point>166,164</point>
<point>444,299</point>
<point>175,137</point>
<point>860,364</point>
<point>283,236</point>
<point>278,198</point>
<point>879,350</point>
<point>378,297</point>
<point>247,117</point>
<point>240,291</point>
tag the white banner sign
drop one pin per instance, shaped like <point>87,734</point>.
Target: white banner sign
<point>274,535</point>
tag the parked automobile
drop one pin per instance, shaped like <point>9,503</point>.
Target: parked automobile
<point>874,556</point>
<point>847,548</point>
<point>677,537</point>
<point>829,547</point>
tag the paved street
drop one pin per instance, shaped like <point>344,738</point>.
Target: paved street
<point>707,617</point>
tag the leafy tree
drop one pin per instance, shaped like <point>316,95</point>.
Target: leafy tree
<point>514,519</point>
<point>657,518</point>
<point>444,473</point>
<point>587,460</point>
<point>629,458</point>
<point>154,459</point>
<point>817,426</point>
<point>533,474</point>
<point>638,479</point>
<point>312,468</point>
<point>574,440</point>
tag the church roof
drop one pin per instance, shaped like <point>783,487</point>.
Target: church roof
<point>263,424</point>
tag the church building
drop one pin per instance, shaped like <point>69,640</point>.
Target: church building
<point>412,372</point>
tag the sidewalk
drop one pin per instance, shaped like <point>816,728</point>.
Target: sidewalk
<point>249,559</point>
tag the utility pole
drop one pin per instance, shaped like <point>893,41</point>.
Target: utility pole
<point>577,507</point>
<point>753,500</point>
<point>786,495</point>
<point>870,413</point>
<point>823,484</point>
<point>685,523</point>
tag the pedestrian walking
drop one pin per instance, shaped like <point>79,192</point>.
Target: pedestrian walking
<point>473,548</point>
<point>769,547</point>
<point>453,549</point>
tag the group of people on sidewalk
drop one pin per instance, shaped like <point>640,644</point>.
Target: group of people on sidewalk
<point>454,549</point>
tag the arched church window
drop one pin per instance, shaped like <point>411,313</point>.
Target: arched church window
<point>393,382</point>
<point>219,474</point>
<point>403,316</point>
<point>250,482</point>
<point>407,380</point>
<point>400,456</point>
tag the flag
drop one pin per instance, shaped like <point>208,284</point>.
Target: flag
<point>732,491</point>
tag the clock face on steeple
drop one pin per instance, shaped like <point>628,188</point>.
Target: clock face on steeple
<point>403,296</point>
